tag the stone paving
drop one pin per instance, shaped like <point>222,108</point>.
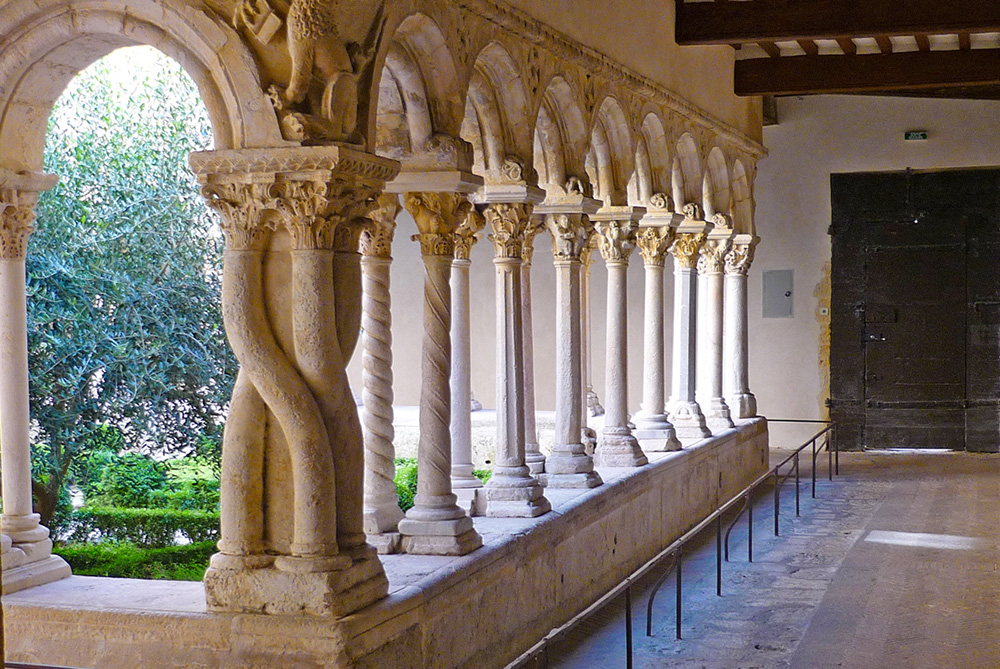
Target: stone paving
<point>894,565</point>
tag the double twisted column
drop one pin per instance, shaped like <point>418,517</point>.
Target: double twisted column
<point>301,212</point>
<point>25,547</point>
<point>711,260</point>
<point>736,387</point>
<point>511,491</point>
<point>653,428</point>
<point>382,513</point>
<point>617,447</point>
<point>435,524</point>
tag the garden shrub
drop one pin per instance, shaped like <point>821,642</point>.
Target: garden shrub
<point>147,528</point>
<point>406,482</point>
<point>130,480</point>
<point>124,560</point>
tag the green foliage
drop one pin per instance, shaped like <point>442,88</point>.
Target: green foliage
<point>131,480</point>
<point>126,339</point>
<point>147,528</point>
<point>406,482</point>
<point>482,474</point>
<point>123,560</point>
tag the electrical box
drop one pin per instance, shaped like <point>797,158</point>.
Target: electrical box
<point>778,293</point>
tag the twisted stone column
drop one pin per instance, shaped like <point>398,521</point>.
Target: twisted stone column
<point>593,401</point>
<point>25,547</point>
<point>710,265</point>
<point>569,466</point>
<point>653,429</point>
<point>617,447</point>
<point>462,478</point>
<point>532,453</point>
<point>685,414</point>
<point>436,525</point>
<point>382,513</point>
<point>511,491</point>
<point>736,387</point>
<point>293,328</point>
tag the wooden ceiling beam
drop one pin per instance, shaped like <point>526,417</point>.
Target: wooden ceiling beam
<point>770,48</point>
<point>909,71</point>
<point>848,46</point>
<point>786,20</point>
<point>923,42</point>
<point>884,44</point>
<point>809,46</point>
<point>964,41</point>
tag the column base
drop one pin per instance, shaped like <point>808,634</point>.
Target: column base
<point>464,482</point>
<point>31,573</point>
<point>439,537</point>
<point>274,591</point>
<point>585,480</point>
<point>588,437</point>
<point>688,421</point>
<point>383,519</point>
<point>655,433</point>
<point>515,495</point>
<point>617,447</point>
<point>24,529</point>
<point>534,458</point>
<point>594,404</point>
<point>742,406</point>
<point>472,500</point>
<point>387,543</point>
<point>717,416</point>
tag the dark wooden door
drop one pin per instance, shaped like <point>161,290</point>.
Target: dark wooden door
<point>915,323</point>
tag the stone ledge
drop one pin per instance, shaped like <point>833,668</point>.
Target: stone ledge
<point>480,610</point>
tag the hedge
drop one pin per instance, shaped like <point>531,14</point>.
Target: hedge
<point>147,528</point>
<point>124,560</point>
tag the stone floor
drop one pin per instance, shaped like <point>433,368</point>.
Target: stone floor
<point>894,565</point>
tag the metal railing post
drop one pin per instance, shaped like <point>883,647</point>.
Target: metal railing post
<point>679,605</point>
<point>796,485</point>
<point>813,473</point>
<point>718,556</point>
<point>777,500</point>
<point>628,626</point>
<point>750,526</point>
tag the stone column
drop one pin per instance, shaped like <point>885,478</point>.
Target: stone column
<point>653,429</point>
<point>593,402</point>
<point>685,414</point>
<point>299,213</point>
<point>617,447</point>
<point>711,261</point>
<point>382,513</point>
<point>569,466</point>
<point>25,547</point>
<point>462,479</point>
<point>532,453</point>
<point>511,491</point>
<point>436,525</point>
<point>735,364</point>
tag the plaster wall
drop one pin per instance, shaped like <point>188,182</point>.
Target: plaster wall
<point>407,321</point>
<point>815,137</point>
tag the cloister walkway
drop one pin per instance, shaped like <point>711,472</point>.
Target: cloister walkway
<point>894,566</point>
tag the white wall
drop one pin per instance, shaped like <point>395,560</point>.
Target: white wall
<point>815,137</point>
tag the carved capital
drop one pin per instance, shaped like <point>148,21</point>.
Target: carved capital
<point>17,222</point>
<point>376,239</point>
<point>653,243</point>
<point>661,201</point>
<point>241,206</point>
<point>509,223</point>
<point>685,249</point>
<point>571,235</point>
<point>466,236</point>
<point>536,225</point>
<point>722,223</point>
<point>616,239</point>
<point>327,213</point>
<point>712,256</point>
<point>587,256</point>
<point>739,258</point>
<point>438,216</point>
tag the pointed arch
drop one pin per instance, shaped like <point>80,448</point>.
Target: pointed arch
<point>560,137</point>
<point>614,153</point>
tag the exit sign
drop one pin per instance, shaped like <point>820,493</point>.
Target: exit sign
<point>916,135</point>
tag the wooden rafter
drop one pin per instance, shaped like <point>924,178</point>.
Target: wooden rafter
<point>884,44</point>
<point>909,71</point>
<point>770,48</point>
<point>923,42</point>
<point>964,41</point>
<point>764,21</point>
<point>809,46</point>
<point>847,46</point>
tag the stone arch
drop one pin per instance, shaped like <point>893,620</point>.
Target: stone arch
<point>715,187</point>
<point>614,154</point>
<point>560,137</point>
<point>688,168</point>
<point>640,186</point>
<point>658,150</point>
<point>742,205</point>
<point>497,118</point>
<point>419,94</point>
<point>43,50</point>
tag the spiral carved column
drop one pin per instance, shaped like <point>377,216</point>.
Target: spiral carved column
<point>25,547</point>
<point>436,525</point>
<point>382,513</point>
<point>293,433</point>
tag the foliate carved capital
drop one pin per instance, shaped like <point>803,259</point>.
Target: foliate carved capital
<point>571,235</point>
<point>376,239</point>
<point>712,256</point>
<point>587,255</point>
<point>654,243</point>
<point>325,213</point>
<point>241,206</point>
<point>510,223</point>
<point>739,258</point>
<point>536,225</point>
<point>17,222</point>
<point>685,249</point>
<point>438,217</point>
<point>467,234</point>
<point>616,239</point>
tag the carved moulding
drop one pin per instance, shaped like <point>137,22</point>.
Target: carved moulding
<point>292,396</point>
